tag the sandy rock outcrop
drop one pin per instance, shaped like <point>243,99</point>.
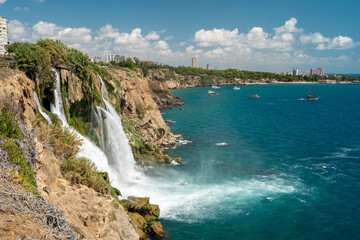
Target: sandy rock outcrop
<point>73,84</point>
<point>90,214</point>
<point>18,92</point>
<point>139,106</point>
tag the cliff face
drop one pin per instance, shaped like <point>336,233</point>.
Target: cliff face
<point>171,80</point>
<point>139,106</point>
<point>76,210</point>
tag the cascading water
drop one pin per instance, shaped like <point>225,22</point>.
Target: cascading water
<point>58,108</point>
<point>40,109</point>
<point>121,167</point>
<point>88,149</point>
<point>116,144</point>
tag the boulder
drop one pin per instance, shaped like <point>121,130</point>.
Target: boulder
<point>156,230</point>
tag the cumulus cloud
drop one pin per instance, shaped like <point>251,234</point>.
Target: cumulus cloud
<point>2,1</point>
<point>324,43</point>
<point>152,36</point>
<point>339,42</point>
<point>289,27</point>
<point>215,37</point>
<point>18,31</point>
<point>315,38</point>
<point>67,35</point>
<point>256,38</point>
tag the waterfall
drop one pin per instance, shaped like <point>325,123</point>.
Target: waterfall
<point>117,146</point>
<point>40,109</point>
<point>88,149</point>
<point>115,155</point>
<point>58,108</point>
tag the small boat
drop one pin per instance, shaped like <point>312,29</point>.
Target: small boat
<point>253,96</point>
<point>211,93</point>
<point>236,88</point>
<point>215,87</point>
<point>312,97</point>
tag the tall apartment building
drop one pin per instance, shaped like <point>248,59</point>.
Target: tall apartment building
<point>194,62</point>
<point>208,67</point>
<point>109,57</point>
<point>295,72</point>
<point>3,35</point>
<point>318,71</point>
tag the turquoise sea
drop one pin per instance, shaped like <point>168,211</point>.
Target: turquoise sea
<point>276,167</point>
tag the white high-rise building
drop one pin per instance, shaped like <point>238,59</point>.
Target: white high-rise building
<point>295,72</point>
<point>194,62</point>
<point>3,35</point>
<point>109,57</point>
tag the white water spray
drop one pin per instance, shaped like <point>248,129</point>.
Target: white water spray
<point>40,109</point>
<point>117,146</point>
<point>88,149</point>
<point>58,108</point>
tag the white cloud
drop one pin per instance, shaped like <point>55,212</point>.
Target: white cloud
<point>289,27</point>
<point>216,37</point>
<point>68,35</point>
<point>162,47</point>
<point>18,31</point>
<point>107,32</point>
<point>169,37</point>
<point>21,9</point>
<point>2,1</point>
<point>324,43</point>
<point>344,58</point>
<point>339,42</point>
<point>256,38</point>
<point>152,36</point>
<point>315,38</point>
<point>181,44</point>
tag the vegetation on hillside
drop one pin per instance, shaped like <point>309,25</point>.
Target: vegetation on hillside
<point>12,135</point>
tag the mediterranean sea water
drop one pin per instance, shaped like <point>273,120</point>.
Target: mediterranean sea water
<point>276,167</point>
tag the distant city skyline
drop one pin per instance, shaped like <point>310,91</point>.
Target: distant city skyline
<point>227,34</point>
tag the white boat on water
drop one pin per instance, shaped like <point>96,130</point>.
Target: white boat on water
<point>211,93</point>
<point>215,87</point>
<point>236,88</point>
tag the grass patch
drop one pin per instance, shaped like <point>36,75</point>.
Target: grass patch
<point>62,187</point>
<point>112,217</point>
<point>64,143</point>
<point>140,110</point>
<point>8,126</point>
<point>26,174</point>
<point>82,171</point>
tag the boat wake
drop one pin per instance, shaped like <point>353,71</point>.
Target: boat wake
<point>221,144</point>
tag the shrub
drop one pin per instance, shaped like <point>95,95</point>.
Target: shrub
<point>64,143</point>
<point>8,126</point>
<point>26,174</point>
<point>85,172</point>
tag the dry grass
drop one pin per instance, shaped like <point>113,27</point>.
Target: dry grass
<point>63,143</point>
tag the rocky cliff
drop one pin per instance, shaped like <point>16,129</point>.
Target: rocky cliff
<point>169,79</point>
<point>51,207</point>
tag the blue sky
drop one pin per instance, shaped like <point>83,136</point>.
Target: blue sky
<point>253,35</point>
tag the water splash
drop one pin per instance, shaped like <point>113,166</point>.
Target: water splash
<point>117,146</point>
<point>40,109</point>
<point>58,108</point>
